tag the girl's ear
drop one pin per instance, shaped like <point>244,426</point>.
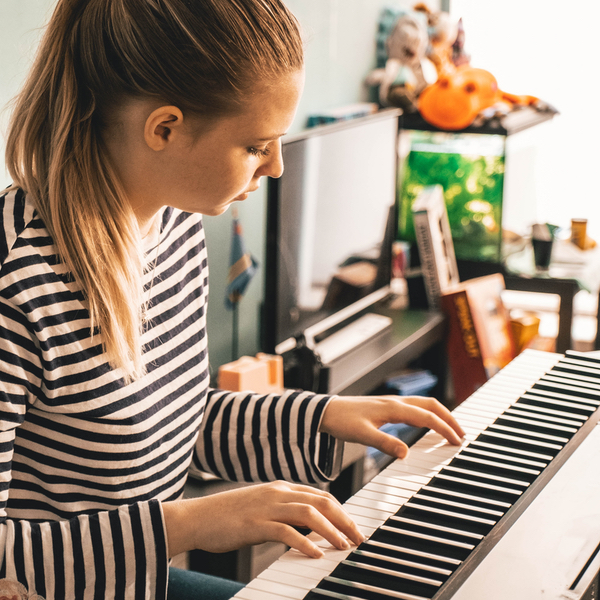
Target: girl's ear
<point>160,126</point>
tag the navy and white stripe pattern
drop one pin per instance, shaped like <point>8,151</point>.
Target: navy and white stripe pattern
<point>86,460</point>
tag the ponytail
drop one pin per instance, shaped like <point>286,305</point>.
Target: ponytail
<point>199,55</point>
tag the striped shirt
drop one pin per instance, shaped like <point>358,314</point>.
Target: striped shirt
<point>86,460</point>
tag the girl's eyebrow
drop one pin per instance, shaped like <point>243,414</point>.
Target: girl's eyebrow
<point>274,137</point>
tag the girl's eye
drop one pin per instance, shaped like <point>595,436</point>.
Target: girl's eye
<point>259,151</point>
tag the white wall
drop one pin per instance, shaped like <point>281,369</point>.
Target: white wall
<point>548,49</point>
<point>22,21</point>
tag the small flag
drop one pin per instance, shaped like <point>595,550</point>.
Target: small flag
<point>242,267</point>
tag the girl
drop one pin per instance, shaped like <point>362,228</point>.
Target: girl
<point>139,116</point>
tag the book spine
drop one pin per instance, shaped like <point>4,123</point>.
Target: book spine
<point>429,264</point>
<point>464,351</point>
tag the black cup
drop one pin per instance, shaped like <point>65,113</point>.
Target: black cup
<point>542,252</point>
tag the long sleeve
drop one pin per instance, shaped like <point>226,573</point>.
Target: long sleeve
<point>118,553</point>
<point>86,459</point>
<point>254,437</point>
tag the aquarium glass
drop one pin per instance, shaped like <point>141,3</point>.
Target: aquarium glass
<point>470,168</point>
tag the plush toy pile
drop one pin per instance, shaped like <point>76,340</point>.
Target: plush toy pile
<point>423,66</point>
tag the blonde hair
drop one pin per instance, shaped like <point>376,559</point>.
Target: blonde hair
<point>200,55</point>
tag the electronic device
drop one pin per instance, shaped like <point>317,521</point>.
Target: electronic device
<point>511,513</point>
<point>330,226</point>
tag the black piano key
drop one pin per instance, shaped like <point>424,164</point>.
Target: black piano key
<point>432,544</point>
<point>554,403</point>
<point>483,465</point>
<point>509,451</point>
<point>573,380</point>
<point>440,525</point>
<point>472,475</point>
<point>474,499</point>
<point>424,525</point>
<point>576,370</point>
<point>563,393</point>
<point>535,425</point>
<point>544,416</point>
<point>325,594</point>
<point>507,459</point>
<point>474,488</point>
<point>519,442</point>
<point>444,517</point>
<point>547,440</point>
<point>463,508</point>
<point>402,565</point>
<point>578,393</point>
<point>427,559</point>
<point>351,590</point>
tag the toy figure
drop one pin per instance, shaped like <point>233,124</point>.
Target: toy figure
<point>407,70</point>
<point>459,55</point>
<point>456,99</point>
<point>442,33</point>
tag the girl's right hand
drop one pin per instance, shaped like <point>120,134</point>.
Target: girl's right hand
<point>256,514</point>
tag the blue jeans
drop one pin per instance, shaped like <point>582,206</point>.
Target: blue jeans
<point>191,585</point>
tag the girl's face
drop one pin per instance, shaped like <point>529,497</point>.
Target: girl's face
<point>205,173</point>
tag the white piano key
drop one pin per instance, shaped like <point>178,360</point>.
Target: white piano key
<point>281,590</point>
<point>364,511</point>
<point>412,469</point>
<point>386,500</point>
<point>367,526</point>
<point>296,579</point>
<point>301,569</point>
<point>335,595</point>
<point>405,480</point>
<point>330,557</point>
<point>398,493</point>
<point>254,594</point>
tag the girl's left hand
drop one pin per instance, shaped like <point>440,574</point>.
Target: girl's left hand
<point>358,419</point>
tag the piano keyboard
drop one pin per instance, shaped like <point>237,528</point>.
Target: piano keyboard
<point>431,518</point>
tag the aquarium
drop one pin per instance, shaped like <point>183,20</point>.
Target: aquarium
<point>470,169</point>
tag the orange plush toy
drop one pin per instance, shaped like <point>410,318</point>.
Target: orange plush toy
<point>456,99</point>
